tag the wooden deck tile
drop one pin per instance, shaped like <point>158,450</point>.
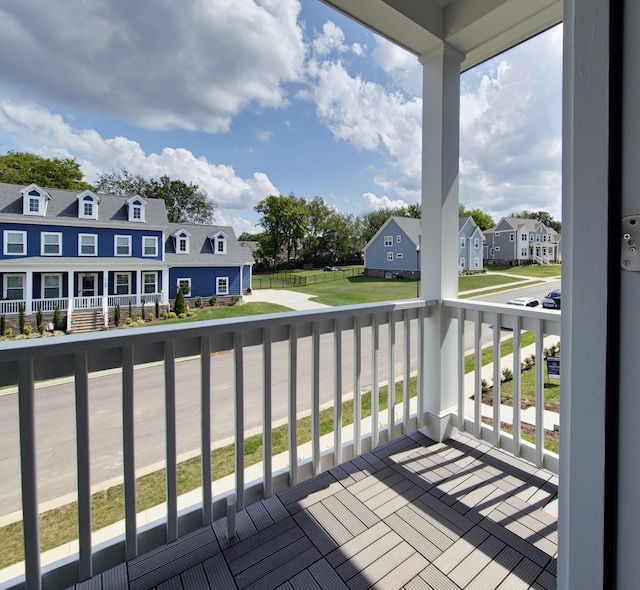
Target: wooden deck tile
<point>314,497</point>
<point>306,488</point>
<point>369,555</point>
<point>239,549</point>
<point>326,576</point>
<point>174,583</point>
<point>521,545</point>
<point>419,540</point>
<point>361,488</point>
<point>545,581</point>
<point>342,476</point>
<point>376,571</point>
<point>320,538</point>
<point>366,516</point>
<point>403,573</point>
<point>431,578</point>
<point>476,561</point>
<point>353,471</point>
<point>439,512</point>
<point>287,567</point>
<point>275,508</point>
<point>347,517</point>
<point>521,530</point>
<point>116,578</point>
<point>259,515</point>
<point>285,586</point>
<point>218,573</point>
<point>522,576</point>
<point>357,544</point>
<point>497,570</point>
<point>194,577</point>
<point>461,549</point>
<point>304,581</point>
<point>332,525</point>
<point>94,583</point>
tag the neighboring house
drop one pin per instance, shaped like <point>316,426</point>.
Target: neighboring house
<point>515,241</point>
<point>394,251</point>
<point>470,243</point>
<point>89,251</point>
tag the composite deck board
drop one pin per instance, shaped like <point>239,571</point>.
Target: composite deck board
<point>410,514</point>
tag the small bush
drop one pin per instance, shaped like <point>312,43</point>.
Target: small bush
<point>179,305</point>
<point>8,333</point>
<point>235,299</point>
<point>157,308</point>
<point>169,315</point>
<point>129,321</point>
<point>42,328</point>
<point>1,324</point>
<point>27,330</point>
<point>182,315</point>
<point>57,322</point>
<point>21,317</point>
<point>38,316</point>
<point>507,374</point>
<point>130,310</point>
<point>143,313</point>
<point>198,302</point>
<point>485,386</point>
<point>212,300</point>
<point>190,313</point>
<point>150,317</point>
<point>116,315</point>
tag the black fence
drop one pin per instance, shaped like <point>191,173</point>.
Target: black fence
<point>283,279</point>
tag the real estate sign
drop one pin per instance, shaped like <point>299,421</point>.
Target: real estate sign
<point>553,367</point>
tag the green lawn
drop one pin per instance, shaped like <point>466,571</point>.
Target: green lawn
<point>480,281</point>
<point>531,270</point>
<point>217,313</point>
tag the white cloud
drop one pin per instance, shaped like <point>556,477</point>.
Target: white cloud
<point>187,65</point>
<point>264,135</point>
<point>372,202</point>
<point>403,67</point>
<point>37,130</point>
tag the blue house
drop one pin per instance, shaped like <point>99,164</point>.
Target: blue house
<point>89,251</point>
<point>394,251</point>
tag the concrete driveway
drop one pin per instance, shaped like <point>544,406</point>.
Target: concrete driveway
<point>292,299</point>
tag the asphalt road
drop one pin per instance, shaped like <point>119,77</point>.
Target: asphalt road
<point>55,416</point>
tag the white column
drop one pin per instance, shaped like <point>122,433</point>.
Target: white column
<point>439,244</point>
<point>585,213</point>
<point>28,302</point>
<point>165,286</point>
<point>139,286</point>
<point>241,272</point>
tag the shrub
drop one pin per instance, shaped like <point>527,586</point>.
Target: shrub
<point>42,328</point>
<point>157,308</point>
<point>485,386</point>
<point>198,301</point>
<point>130,310</point>
<point>8,333</point>
<point>190,313</point>
<point>182,315</point>
<point>507,374</point>
<point>150,317</point>
<point>116,315</point>
<point>179,305</point>
<point>212,300</point>
<point>235,299</point>
<point>57,324</point>
<point>38,316</point>
<point>21,317</point>
<point>169,315</point>
<point>27,330</point>
<point>129,321</point>
<point>1,325</point>
<point>142,316</point>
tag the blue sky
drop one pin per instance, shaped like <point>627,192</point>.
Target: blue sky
<point>257,97</point>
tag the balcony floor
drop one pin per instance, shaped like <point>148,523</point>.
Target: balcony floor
<point>412,514</point>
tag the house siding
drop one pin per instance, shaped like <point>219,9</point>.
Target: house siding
<point>376,261</point>
<point>203,280</point>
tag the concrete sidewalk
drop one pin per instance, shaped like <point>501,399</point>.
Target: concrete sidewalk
<point>293,299</point>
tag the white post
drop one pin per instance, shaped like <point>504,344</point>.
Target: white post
<point>439,277</point>
<point>165,286</point>
<point>139,286</point>
<point>28,303</point>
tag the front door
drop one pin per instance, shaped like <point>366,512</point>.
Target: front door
<point>88,285</point>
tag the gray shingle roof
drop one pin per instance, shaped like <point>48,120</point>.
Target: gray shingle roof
<point>200,250</point>
<point>63,206</point>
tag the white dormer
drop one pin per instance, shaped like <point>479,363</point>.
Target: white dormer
<point>218,242</point>
<point>136,206</point>
<point>181,239</point>
<point>88,205</point>
<point>34,200</point>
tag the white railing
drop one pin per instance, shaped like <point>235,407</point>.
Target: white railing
<point>268,370</point>
<point>94,302</point>
<point>151,297</point>
<point>11,306</point>
<point>48,305</point>
<point>121,300</point>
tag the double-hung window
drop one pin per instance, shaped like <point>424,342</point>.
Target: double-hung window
<point>14,287</point>
<point>184,285</point>
<point>51,244</point>
<point>462,242</point>
<point>15,242</point>
<point>87,245</point>
<point>389,256</point>
<point>388,241</point>
<point>51,286</point>
<point>123,282</point>
<point>150,281</point>
<point>150,246</point>
<point>122,246</point>
<point>222,286</point>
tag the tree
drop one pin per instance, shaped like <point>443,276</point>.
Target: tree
<point>542,216</point>
<point>25,168</point>
<point>284,220</point>
<point>186,203</point>
<point>246,236</point>
<point>483,220</point>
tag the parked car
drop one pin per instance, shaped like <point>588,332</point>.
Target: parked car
<point>552,300</point>
<point>524,302</point>
<point>331,269</point>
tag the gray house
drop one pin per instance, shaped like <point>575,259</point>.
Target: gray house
<point>517,241</point>
<point>394,252</point>
<point>470,244</point>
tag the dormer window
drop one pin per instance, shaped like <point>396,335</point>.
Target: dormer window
<point>136,206</point>
<point>88,205</point>
<point>181,241</point>
<point>218,243</point>
<point>34,200</point>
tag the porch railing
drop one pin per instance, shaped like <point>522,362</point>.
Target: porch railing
<point>48,305</point>
<point>121,300</point>
<point>151,298</point>
<point>303,361</point>
<point>11,306</point>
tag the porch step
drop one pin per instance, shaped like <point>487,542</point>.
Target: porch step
<point>87,320</point>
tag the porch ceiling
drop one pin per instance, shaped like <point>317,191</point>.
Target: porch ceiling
<point>480,29</point>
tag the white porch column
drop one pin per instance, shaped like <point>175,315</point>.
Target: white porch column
<point>439,251</point>
<point>28,301</point>
<point>165,286</point>
<point>139,286</point>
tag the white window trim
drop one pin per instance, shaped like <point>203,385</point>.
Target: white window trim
<point>42,284</point>
<point>115,245</point>
<point>224,245</point>
<point>399,255</point>
<point>144,282</point>
<point>477,243</point>
<point>476,263</point>
<point>6,242</point>
<point>184,280</point>
<point>115,282</point>
<point>42,202</point>
<point>155,245</point>
<point>398,239</point>
<point>389,256</point>
<point>497,248</point>
<point>388,241</point>
<point>134,203</point>
<point>186,239</point>
<point>218,291</point>
<point>511,237</point>
<point>5,281</point>
<point>95,244</point>
<point>462,263</point>
<point>463,242</point>
<point>42,243</point>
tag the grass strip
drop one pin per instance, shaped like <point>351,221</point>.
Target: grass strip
<point>506,348</point>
